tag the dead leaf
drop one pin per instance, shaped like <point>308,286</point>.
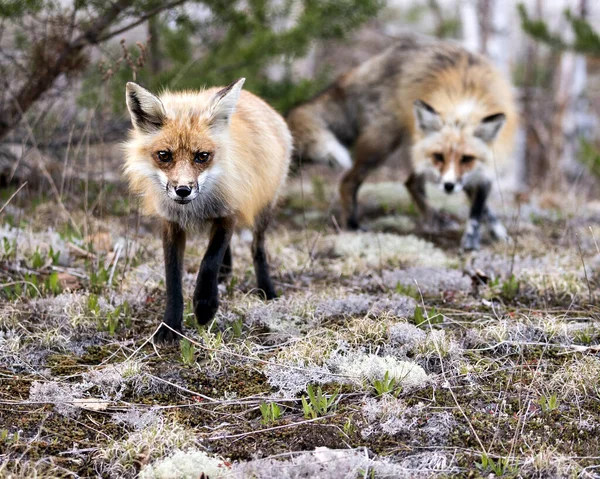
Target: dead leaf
<point>68,281</point>
<point>91,404</point>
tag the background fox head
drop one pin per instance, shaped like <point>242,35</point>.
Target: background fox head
<point>178,141</point>
<point>453,147</point>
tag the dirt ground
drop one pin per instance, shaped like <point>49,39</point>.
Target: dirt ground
<point>388,354</point>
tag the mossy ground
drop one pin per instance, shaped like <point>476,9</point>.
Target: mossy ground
<point>510,348</point>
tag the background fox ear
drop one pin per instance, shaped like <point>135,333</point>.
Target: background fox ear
<point>428,120</point>
<point>146,110</point>
<point>489,127</point>
<point>224,102</point>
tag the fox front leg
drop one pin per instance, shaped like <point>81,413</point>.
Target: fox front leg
<point>206,294</point>
<point>478,193</point>
<point>174,247</point>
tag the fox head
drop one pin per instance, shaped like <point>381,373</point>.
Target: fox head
<point>454,148</point>
<point>180,139</point>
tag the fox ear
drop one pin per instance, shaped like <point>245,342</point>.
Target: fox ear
<point>428,120</point>
<point>489,127</point>
<point>146,110</point>
<point>224,102</point>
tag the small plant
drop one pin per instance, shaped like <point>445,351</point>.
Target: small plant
<point>270,412</point>
<point>498,467</point>
<point>54,255</point>
<point>112,320</point>
<point>230,286</point>
<point>9,249</point>
<point>407,290</point>
<point>237,327</point>
<point>510,288</point>
<point>188,316</point>
<point>93,305</point>
<point>549,403</point>
<point>318,404</point>
<point>52,284</point>
<point>349,427</point>
<point>584,336</point>
<point>188,351</point>
<point>37,261</point>
<point>387,385</point>
<point>100,279</point>
<point>422,316</point>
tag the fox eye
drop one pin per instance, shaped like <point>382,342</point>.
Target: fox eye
<point>466,159</point>
<point>164,156</point>
<point>201,157</point>
<point>438,157</point>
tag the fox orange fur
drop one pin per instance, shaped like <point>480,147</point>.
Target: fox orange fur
<point>447,111</point>
<point>216,157</point>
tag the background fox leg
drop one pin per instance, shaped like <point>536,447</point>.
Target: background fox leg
<point>174,247</point>
<point>259,256</point>
<point>496,228</point>
<point>478,194</point>
<point>371,152</point>
<point>206,293</point>
<point>434,221</point>
<point>226,266</point>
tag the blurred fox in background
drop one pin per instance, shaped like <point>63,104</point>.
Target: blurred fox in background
<point>214,158</point>
<point>452,109</point>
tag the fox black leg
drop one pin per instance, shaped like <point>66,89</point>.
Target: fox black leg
<point>206,294</point>
<point>433,220</point>
<point>497,229</point>
<point>370,152</point>
<point>259,257</point>
<point>174,247</point>
<point>226,266</point>
<point>478,194</point>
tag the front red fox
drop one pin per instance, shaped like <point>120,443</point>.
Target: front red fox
<point>217,158</point>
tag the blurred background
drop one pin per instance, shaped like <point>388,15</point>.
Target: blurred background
<point>63,65</point>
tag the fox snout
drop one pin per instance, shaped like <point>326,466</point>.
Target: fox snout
<point>182,193</point>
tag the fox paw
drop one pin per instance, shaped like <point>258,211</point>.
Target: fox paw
<point>471,240</point>
<point>439,222</point>
<point>166,336</point>
<point>205,309</point>
<point>498,231</point>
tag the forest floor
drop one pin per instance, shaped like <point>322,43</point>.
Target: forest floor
<point>388,354</point>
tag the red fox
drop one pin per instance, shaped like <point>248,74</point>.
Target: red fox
<point>451,109</point>
<point>216,157</point>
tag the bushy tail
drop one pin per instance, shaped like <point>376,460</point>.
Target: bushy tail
<point>314,142</point>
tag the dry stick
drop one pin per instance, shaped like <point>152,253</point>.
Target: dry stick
<point>11,197</point>
<point>437,348</point>
<point>66,162</point>
<point>243,434</point>
<point>47,175</point>
<point>584,270</point>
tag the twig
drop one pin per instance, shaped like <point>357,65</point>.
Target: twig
<point>584,270</point>
<point>243,434</point>
<point>11,197</point>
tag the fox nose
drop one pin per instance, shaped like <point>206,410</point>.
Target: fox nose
<point>183,191</point>
<point>449,187</point>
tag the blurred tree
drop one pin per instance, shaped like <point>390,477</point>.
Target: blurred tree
<point>559,140</point>
<point>44,40</point>
<point>586,40</point>
<point>45,43</point>
<point>214,42</point>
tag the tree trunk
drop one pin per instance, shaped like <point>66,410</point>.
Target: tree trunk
<point>470,25</point>
<point>155,63</point>
<point>571,115</point>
